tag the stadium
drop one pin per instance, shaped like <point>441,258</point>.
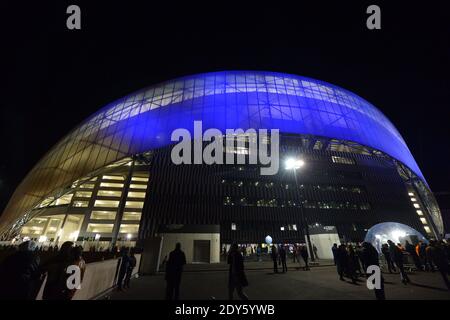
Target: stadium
<point>111,181</point>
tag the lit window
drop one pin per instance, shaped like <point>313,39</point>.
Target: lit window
<point>410,194</point>
<point>134,204</point>
<point>106,203</point>
<point>65,199</point>
<point>141,179</point>
<point>423,220</point>
<point>233,226</point>
<point>100,227</point>
<point>87,186</point>
<point>138,186</point>
<point>413,199</point>
<point>83,194</point>
<point>419,212</point>
<point>342,160</point>
<point>120,178</point>
<point>103,215</point>
<point>129,228</point>
<point>294,227</point>
<point>282,228</point>
<point>133,194</point>
<point>416,206</point>
<point>80,204</point>
<point>109,193</point>
<point>111,185</point>
<point>427,229</point>
<point>135,216</point>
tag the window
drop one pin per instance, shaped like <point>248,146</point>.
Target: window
<point>136,216</point>
<point>138,186</point>
<point>80,204</point>
<point>342,160</point>
<point>427,229</point>
<point>410,194</point>
<point>111,185</point>
<point>416,206</point>
<point>282,228</point>
<point>419,212</point>
<point>100,227</point>
<point>120,178</point>
<point>129,228</point>
<point>103,215</point>
<point>65,199</point>
<point>109,193</point>
<point>413,199</point>
<point>233,226</point>
<point>133,194</point>
<point>106,203</point>
<point>423,220</point>
<point>87,186</point>
<point>134,204</point>
<point>140,179</point>
<point>83,194</point>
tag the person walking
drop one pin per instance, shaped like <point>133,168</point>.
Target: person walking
<point>283,258</point>
<point>124,264</point>
<point>370,257</point>
<point>56,269</point>
<point>352,264</point>
<point>174,269</point>
<point>439,259</point>
<point>20,274</point>
<point>341,261</point>
<point>315,251</point>
<point>236,275</point>
<point>334,250</point>
<point>397,256</point>
<point>305,256</point>
<point>387,256</point>
<point>131,266</point>
<point>274,256</point>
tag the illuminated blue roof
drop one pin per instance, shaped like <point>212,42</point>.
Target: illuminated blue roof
<point>252,99</point>
<point>145,120</point>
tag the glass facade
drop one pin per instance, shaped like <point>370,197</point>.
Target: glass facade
<point>144,120</point>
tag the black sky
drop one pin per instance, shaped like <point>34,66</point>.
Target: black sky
<point>57,77</point>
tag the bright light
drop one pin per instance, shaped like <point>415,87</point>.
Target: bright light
<point>42,239</point>
<point>378,236</point>
<point>129,236</point>
<point>59,233</point>
<point>74,235</point>
<point>293,164</point>
<point>397,234</point>
<point>97,236</point>
<point>268,239</point>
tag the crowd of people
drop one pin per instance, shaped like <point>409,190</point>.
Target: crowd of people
<point>25,267</point>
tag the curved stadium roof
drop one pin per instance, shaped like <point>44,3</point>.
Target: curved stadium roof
<point>144,120</point>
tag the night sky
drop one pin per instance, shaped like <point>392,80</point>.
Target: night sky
<point>57,77</point>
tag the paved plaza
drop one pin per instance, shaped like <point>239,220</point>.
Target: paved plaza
<point>203,282</point>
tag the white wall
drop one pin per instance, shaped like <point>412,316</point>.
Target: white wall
<point>324,242</point>
<point>187,244</point>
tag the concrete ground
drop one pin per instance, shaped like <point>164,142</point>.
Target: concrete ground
<point>202,282</point>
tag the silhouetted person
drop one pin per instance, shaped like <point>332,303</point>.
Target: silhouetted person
<point>428,266</point>
<point>274,256</point>
<point>361,265</point>
<point>397,256</point>
<point>294,254</point>
<point>20,275</point>
<point>438,258</point>
<point>174,269</point>
<point>352,263</point>
<point>370,256</point>
<point>305,256</point>
<point>56,284</point>
<point>315,251</point>
<point>412,252</point>
<point>341,261</point>
<point>334,250</point>
<point>124,264</point>
<point>131,266</point>
<point>236,276</point>
<point>282,254</point>
<point>387,256</point>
